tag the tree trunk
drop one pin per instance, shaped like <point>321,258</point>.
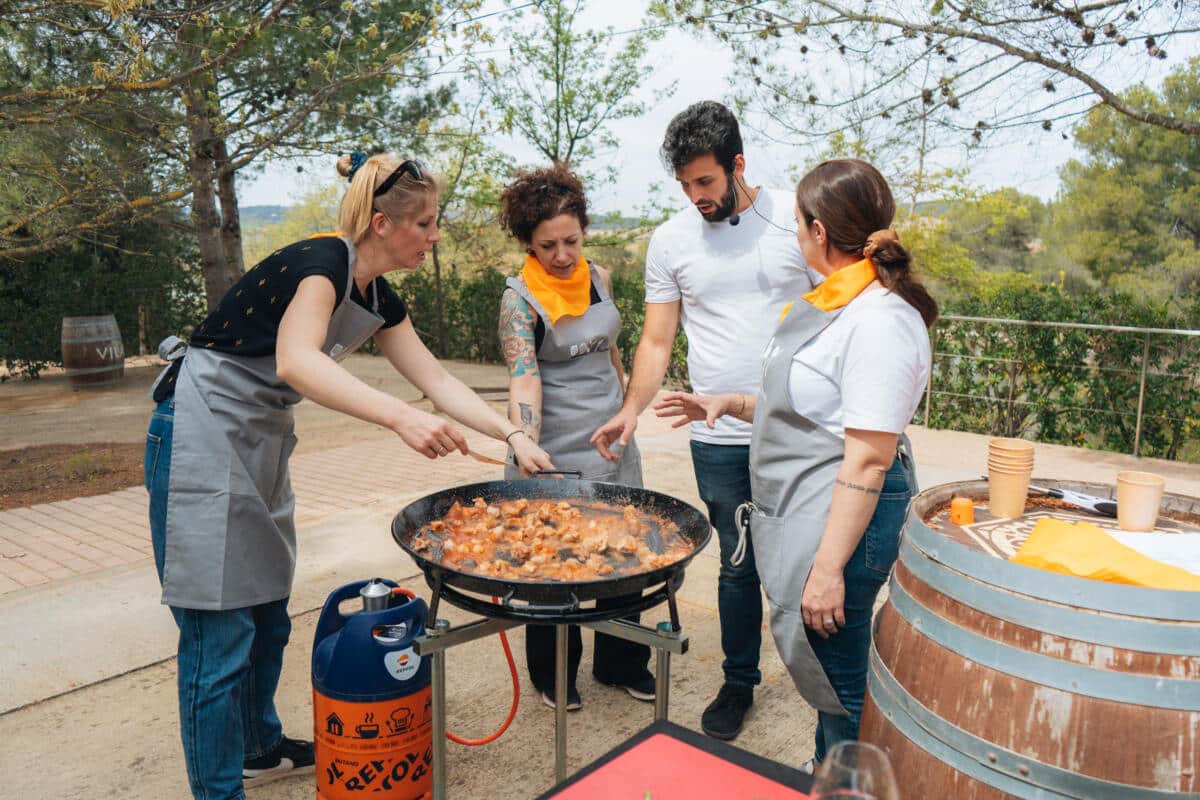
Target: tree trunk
<point>231,220</point>
<point>206,219</point>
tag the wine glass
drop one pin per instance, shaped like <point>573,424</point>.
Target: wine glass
<point>855,771</point>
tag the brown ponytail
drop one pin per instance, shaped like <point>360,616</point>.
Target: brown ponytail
<point>855,204</point>
<point>893,267</point>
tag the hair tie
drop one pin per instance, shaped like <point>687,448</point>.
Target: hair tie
<point>357,159</point>
<point>878,239</point>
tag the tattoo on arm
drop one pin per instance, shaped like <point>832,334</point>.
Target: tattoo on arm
<point>516,335</point>
<point>531,421</point>
<point>856,487</point>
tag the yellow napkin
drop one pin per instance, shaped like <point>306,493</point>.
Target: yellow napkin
<point>839,288</point>
<point>560,297</point>
<point>1085,551</point>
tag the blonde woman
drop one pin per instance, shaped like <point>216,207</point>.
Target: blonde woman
<point>216,466</point>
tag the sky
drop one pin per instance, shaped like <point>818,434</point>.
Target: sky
<point>703,70</point>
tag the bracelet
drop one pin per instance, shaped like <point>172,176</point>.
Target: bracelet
<point>514,433</point>
<point>742,407</point>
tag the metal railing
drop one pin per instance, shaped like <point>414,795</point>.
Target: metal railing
<point>1141,372</point>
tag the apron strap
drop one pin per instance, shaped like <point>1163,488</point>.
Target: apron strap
<point>171,348</point>
<point>351,258</point>
<point>741,519</point>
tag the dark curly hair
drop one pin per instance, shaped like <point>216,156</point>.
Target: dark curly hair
<point>702,128</point>
<point>537,195</point>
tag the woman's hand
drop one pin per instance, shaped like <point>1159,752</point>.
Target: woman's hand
<point>429,435</point>
<point>822,605</point>
<point>694,407</point>
<point>530,457</point>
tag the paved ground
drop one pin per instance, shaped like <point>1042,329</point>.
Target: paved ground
<point>88,689</point>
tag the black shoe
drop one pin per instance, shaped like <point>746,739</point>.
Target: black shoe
<point>290,757</point>
<point>641,688</point>
<point>574,701</point>
<point>724,716</point>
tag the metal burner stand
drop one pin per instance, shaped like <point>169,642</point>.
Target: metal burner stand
<point>666,638</point>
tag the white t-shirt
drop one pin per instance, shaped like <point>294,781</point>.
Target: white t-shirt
<point>732,281</point>
<point>867,370</point>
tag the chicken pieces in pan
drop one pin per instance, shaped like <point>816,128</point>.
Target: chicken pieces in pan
<point>551,540</point>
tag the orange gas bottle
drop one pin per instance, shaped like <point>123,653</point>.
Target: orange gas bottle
<point>372,723</point>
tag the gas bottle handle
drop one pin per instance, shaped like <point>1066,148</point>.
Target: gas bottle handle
<point>332,619</point>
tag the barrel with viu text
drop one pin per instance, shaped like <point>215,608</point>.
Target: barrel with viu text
<point>92,352</point>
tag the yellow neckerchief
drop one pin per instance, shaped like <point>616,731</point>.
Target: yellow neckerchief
<point>839,288</point>
<point>560,297</point>
<point>337,234</point>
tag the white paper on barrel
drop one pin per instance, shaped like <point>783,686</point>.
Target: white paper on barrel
<point>1177,549</point>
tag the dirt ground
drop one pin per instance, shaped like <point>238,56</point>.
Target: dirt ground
<point>55,472</point>
<point>59,442</point>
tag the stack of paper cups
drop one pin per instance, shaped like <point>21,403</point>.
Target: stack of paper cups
<point>1010,464</point>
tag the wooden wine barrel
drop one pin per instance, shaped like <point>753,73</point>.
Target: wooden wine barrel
<point>989,679</point>
<point>92,352</point>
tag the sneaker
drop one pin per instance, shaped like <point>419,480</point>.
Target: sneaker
<point>641,688</point>
<point>808,767</point>
<point>574,701</point>
<point>290,757</point>
<point>724,716</point>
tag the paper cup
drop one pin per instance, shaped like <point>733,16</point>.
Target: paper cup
<point>1139,495</point>
<point>1010,446</point>
<point>1007,461</point>
<point>1007,492</point>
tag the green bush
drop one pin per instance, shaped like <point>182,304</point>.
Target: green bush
<point>147,265</point>
<point>1068,385</point>
<point>1062,385</point>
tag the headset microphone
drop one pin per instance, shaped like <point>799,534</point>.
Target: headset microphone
<point>735,218</point>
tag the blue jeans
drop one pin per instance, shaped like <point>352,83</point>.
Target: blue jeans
<point>844,655</point>
<point>229,661</point>
<point>723,478</point>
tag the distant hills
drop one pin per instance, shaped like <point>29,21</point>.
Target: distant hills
<point>257,216</point>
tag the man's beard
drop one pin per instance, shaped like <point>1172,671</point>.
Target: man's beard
<point>726,207</point>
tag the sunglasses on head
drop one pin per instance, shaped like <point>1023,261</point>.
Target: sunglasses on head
<point>409,167</point>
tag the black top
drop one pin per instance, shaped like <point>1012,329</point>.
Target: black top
<point>246,321</point>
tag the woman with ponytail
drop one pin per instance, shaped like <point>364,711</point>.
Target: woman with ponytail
<point>831,470</point>
<point>217,451</point>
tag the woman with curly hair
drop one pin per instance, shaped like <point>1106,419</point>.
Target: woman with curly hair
<point>558,329</point>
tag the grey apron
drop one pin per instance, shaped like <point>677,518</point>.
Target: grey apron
<point>580,389</point>
<point>793,465</point>
<point>231,537</point>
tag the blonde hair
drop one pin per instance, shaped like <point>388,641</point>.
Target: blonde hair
<point>405,199</point>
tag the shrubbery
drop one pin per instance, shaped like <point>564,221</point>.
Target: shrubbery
<point>1067,385</point>
<point>1063,385</point>
<point>146,266</point>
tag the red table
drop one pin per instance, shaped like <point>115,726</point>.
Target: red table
<point>668,762</point>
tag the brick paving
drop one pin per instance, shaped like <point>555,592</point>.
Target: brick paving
<point>49,541</point>
<point>88,534</point>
